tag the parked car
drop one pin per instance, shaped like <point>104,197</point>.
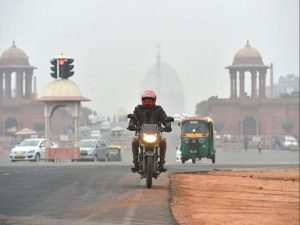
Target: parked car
<point>96,134</point>
<point>32,149</point>
<point>92,149</point>
<point>290,143</point>
<point>178,154</point>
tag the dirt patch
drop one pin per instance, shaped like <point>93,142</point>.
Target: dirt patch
<point>237,197</point>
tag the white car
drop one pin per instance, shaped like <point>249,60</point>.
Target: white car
<point>30,150</point>
<point>178,155</point>
<point>96,134</point>
<point>290,143</point>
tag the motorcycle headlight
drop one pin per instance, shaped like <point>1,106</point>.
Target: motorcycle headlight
<point>185,140</point>
<point>201,140</point>
<point>150,138</point>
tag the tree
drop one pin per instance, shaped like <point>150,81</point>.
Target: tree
<point>218,126</point>
<point>39,127</point>
<point>287,126</point>
<point>84,115</point>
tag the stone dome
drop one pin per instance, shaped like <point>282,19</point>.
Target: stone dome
<point>62,90</point>
<point>169,80</point>
<point>14,57</point>
<point>170,94</point>
<point>247,56</point>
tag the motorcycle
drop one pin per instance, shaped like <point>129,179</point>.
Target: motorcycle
<point>149,136</point>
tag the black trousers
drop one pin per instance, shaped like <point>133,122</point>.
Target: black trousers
<point>162,148</point>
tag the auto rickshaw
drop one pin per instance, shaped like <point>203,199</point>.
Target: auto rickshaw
<point>197,139</point>
<point>113,153</point>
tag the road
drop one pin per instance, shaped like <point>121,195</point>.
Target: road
<point>105,193</point>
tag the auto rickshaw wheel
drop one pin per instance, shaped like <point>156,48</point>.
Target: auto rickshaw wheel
<point>96,158</point>
<point>183,160</point>
<point>213,158</point>
<point>193,160</point>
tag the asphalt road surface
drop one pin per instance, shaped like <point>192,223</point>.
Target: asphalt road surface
<point>105,192</point>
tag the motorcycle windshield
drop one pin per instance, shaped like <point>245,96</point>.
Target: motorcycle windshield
<point>149,128</point>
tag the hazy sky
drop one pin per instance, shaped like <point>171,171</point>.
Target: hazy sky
<point>114,42</point>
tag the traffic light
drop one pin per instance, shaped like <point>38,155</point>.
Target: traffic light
<point>65,68</point>
<point>53,68</point>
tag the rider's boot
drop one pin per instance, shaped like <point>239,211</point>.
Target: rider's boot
<point>161,167</point>
<point>136,166</point>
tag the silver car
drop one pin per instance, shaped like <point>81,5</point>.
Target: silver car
<point>92,149</point>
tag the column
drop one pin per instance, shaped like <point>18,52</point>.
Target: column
<point>231,84</point>
<point>271,82</point>
<point>242,84</point>
<point>47,131</point>
<point>7,84</point>
<point>253,84</point>
<point>76,119</point>
<point>76,131</point>
<point>1,85</point>
<point>19,84</point>
<point>235,85</point>
<point>28,83</point>
<point>262,83</point>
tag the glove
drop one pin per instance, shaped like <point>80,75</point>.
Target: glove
<point>168,129</point>
<point>131,127</point>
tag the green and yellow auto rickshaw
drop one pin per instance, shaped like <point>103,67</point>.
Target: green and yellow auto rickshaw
<point>197,139</point>
<point>113,153</point>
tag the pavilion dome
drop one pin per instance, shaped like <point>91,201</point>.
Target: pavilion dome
<point>247,56</point>
<point>62,90</point>
<point>14,57</point>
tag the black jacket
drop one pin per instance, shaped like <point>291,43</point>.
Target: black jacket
<point>153,115</point>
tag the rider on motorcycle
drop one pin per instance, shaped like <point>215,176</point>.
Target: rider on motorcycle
<point>148,112</point>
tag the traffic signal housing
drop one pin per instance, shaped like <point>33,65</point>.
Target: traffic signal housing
<point>53,68</point>
<point>65,68</point>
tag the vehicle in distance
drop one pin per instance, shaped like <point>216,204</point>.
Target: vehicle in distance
<point>290,143</point>
<point>96,134</point>
<point>113,153</point>
<point>32,149</point>
<point>105,126</point>
<point>92,149</point>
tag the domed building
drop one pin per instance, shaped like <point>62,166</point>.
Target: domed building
<point>18,108</point>
<point>257,115</point>
<point>19,105</point>
<point>15,61</point>
<point>62,90</point>
<point>64,97</point>
<point>163,79</point>
<point>248,59</point>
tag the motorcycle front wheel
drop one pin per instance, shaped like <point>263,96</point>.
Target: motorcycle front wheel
<point>149,171</point>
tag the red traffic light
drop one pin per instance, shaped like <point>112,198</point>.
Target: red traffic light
<point>61,62</point>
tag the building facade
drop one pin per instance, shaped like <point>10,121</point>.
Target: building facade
<point>253,114</point>
<point>18,108</point>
